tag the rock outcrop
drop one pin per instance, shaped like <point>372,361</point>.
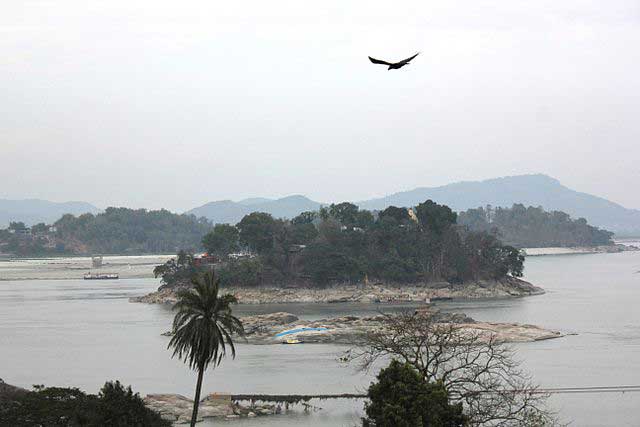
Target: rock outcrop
<point>263,329</point>
<point>177,408</point>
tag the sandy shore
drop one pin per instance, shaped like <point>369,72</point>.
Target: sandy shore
<point>608,249</point>
<point>127,267</point>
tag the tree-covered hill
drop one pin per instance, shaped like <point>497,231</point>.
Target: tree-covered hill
<point>533,227</point>
<point>129,231</point>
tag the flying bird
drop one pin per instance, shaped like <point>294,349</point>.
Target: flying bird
<point>393,65</point>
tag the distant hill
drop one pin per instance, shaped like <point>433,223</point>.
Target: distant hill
<point>531,190</point>
<point>33,211</point>
<point>227,211</point>
<point>254,201</point>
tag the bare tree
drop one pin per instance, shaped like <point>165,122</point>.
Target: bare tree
<point>474,367</point>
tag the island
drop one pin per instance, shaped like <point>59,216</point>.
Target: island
<point>343,254</point>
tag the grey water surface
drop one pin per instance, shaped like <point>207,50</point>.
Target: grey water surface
<point>82,333</point>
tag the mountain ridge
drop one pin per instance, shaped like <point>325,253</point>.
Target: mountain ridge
<point>227,211</point>
<point>531,190</point>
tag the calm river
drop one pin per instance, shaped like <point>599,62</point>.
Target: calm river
<point>78,333</point>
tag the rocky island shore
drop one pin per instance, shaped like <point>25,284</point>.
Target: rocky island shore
<point>367,293</point>
<point>277,328</point>
<point>264,329</point>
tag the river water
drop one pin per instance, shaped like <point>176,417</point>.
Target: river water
<point>78,333</point>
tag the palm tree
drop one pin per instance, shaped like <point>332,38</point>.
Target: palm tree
<point>202,328</point>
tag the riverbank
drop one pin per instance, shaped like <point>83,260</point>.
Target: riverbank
<point>372,293</point>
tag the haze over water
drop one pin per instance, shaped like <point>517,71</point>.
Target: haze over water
<point>77,333</point>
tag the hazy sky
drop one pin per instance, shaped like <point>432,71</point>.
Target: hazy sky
<point>174,104</point>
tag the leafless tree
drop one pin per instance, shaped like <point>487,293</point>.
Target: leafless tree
<point>474,367</point>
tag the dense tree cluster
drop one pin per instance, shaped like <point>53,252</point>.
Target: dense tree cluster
<point>341,243</point>
<point>37,242</point>
<point>403,398</point>
<point>123,230</point>
<point>532,227</point>
<point>177,271</point>
<point>114,406</point>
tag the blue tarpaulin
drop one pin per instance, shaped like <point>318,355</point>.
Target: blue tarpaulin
<point>295,331</point>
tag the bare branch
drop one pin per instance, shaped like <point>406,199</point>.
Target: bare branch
<point>475,368</point>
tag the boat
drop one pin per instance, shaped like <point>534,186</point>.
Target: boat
<point>291,336</point>
<point>101,276</point>
<point>300,329</point>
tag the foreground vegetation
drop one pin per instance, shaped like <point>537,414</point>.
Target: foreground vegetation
<point>114,406</point>
<point>533,227</point>
<point>402,398</point>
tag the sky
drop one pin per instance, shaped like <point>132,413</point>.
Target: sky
<point>175,104</point>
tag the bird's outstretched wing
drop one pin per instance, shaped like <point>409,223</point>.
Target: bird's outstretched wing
<point>377,61</point>
<point>404,61</point>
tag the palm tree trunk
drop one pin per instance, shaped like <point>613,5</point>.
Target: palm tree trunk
<point>196,400</point>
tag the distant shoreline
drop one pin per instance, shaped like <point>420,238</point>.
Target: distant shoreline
<point>70,268</point>
<point>607,249</point>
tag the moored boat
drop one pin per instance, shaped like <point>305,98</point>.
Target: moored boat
<point>101,276</point>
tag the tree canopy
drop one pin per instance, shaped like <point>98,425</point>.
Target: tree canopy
<point>177,271</point>
<point>123,230</point>
<point>532,227</point>
<point>222,240</point>
<point>341,244</point>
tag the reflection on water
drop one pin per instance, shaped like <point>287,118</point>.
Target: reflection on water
<point>70,332</point>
